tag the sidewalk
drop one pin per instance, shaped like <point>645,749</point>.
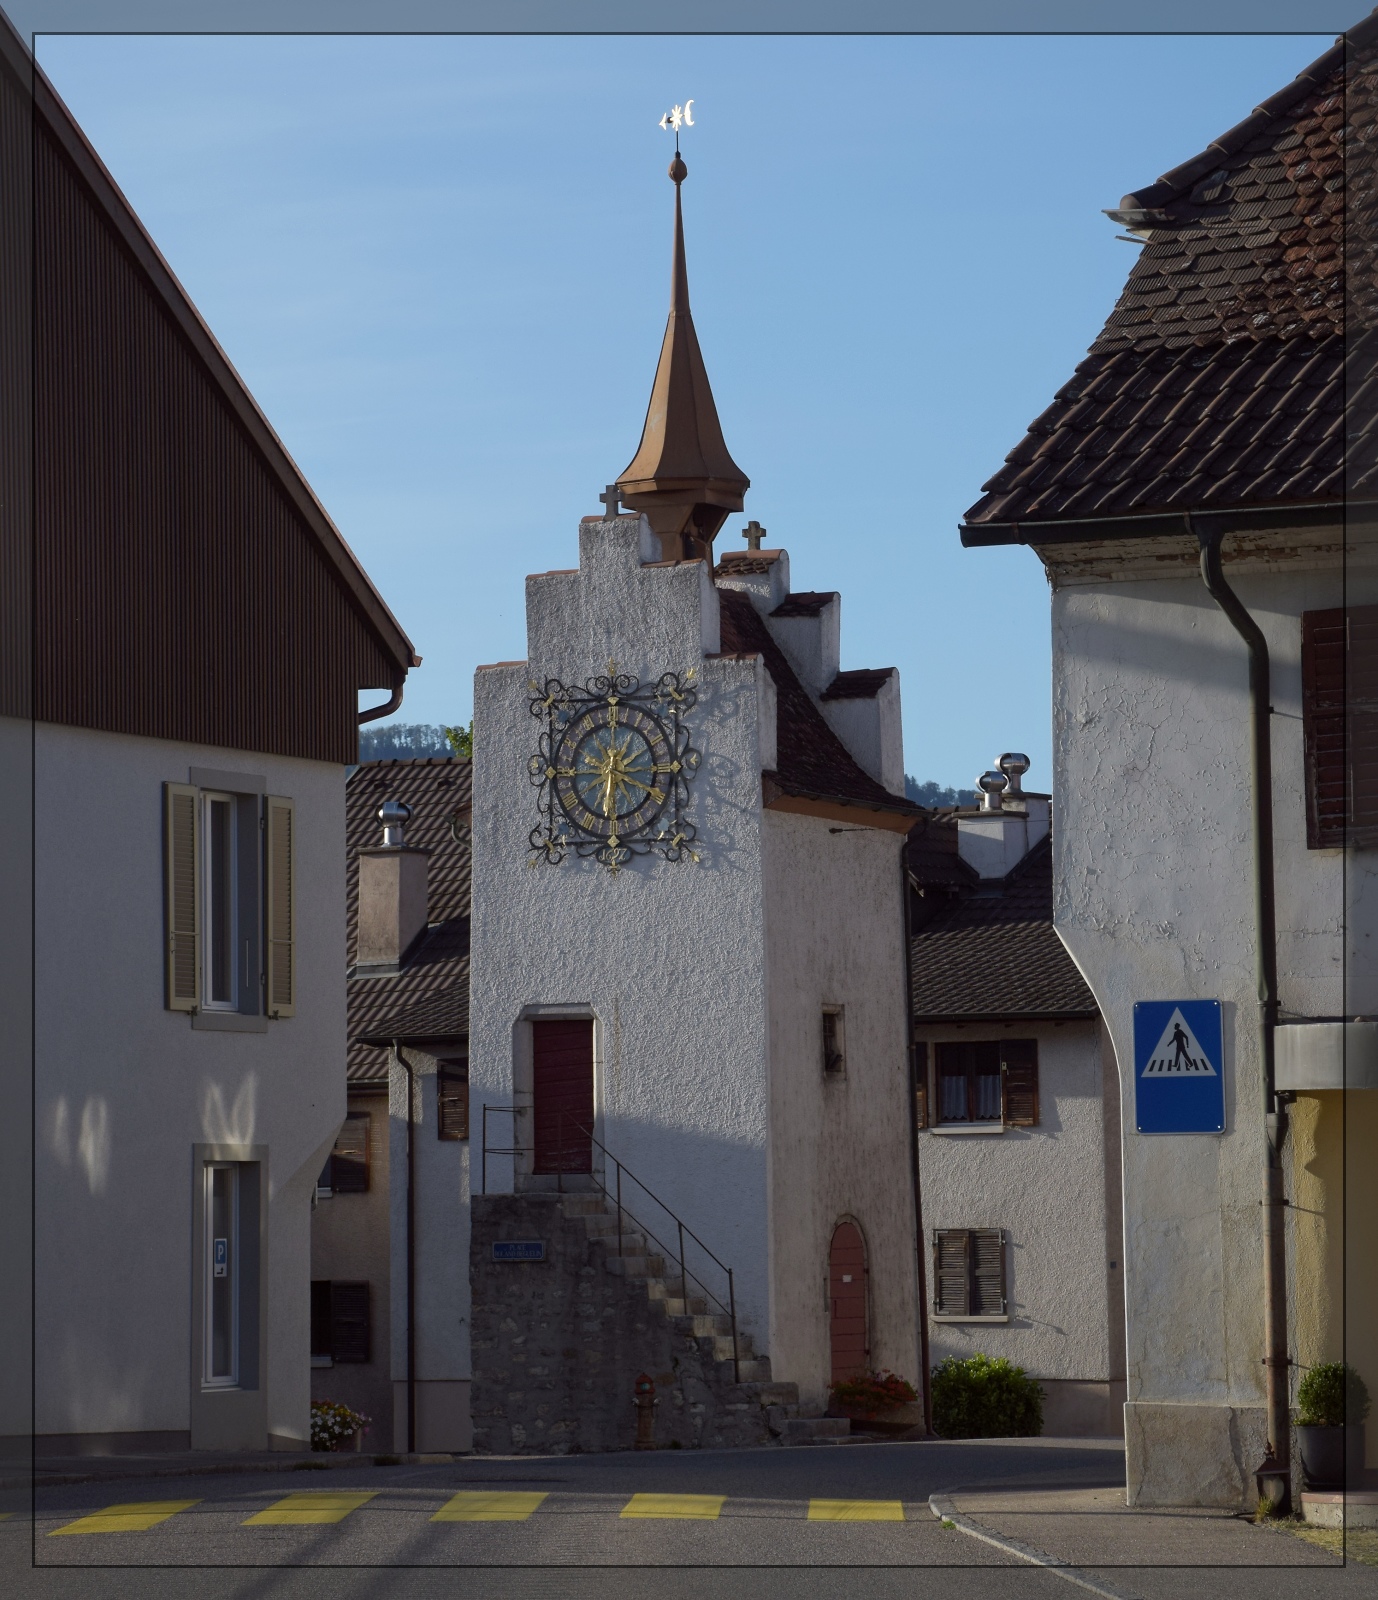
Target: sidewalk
<point>1121,1553</point>
<point>56,1470</point>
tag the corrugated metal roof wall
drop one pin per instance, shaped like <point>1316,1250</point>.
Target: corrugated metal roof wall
<point>178,592</point>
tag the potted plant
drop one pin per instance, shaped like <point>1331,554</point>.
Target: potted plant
<point>879,1399</point>
<point>336,1427</point>
<point>1332,1403</point>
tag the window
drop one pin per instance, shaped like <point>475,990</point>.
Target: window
<point>834,1040</point>
<point>969,1273</point>
<point>339,1322</point>
<point>346,1168</point>
<point>1339,681</point>
<point>220,1368</point>
<point>452,1100</point>
<point>920,1075</point>
<point>988,1081</point>
<point>229,888</point>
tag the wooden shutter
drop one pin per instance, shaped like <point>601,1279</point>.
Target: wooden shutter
<point>1361,665</point>
<point>987,1272</point>
<point>349,1322</point>
<point>1339,684</point>
<point>452,1100</point>
<point>951,1272</point>
<point>280,856</point>
<point>320,1317</point>
<point>921,1085</point>
<point>1019,1070</point>
<point>349,1158</point>
<point>182,894</point>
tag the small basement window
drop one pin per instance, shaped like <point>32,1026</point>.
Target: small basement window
<point>452,1100</point>
<point>834,1040</point>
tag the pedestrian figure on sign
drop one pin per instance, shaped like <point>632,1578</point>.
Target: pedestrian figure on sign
<point>1179,1040</point>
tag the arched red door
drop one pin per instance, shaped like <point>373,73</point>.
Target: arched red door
<point>848,1333</point>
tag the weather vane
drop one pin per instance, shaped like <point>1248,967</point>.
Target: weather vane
<point>678,117</point>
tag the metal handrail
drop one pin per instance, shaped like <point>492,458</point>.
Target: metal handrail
<point>728,1308</point>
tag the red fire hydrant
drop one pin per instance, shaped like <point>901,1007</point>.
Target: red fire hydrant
<point>644,1399</point>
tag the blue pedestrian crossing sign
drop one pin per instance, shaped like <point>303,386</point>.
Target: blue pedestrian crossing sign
<point>1179,1067</point>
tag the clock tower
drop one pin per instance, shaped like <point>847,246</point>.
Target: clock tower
<point>688,963</point>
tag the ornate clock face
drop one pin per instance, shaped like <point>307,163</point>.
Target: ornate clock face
<point>613,768</point>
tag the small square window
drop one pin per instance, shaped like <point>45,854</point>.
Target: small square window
<point>834,1040</point>
<point>452,1100</point>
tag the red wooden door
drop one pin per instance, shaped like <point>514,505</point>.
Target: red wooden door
<point>851,1344</point>
<point>562,1085</point>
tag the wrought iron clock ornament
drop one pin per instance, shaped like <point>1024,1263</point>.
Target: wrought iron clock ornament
<point>613,768</point>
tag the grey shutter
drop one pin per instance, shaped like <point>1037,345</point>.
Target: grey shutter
<point>987,1272</point>
<point>182,894</point>
<point>921,1085</point>
<point>1019,1069</point>
<point>951,1272</point>
<point>280,852</point>
<point>349,1322</point>
<point>349,1158</point>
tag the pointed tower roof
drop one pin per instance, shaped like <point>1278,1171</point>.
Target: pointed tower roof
<point>682,476</point>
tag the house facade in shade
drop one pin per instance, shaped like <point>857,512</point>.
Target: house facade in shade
<point>392,1201</point>
<point>1019,1141</point>
<point>201,635</point>
<point>667,789</point>
<point>1189,482</point>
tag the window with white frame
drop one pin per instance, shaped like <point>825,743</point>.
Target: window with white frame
<point>220,1359</point>
<point>221,980</point>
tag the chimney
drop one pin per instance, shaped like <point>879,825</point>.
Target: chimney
<point>1009,823</point>
<point>392,894</point>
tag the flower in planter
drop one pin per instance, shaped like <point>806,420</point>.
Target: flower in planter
<point>332,1424</point>
<point>873,1392</point>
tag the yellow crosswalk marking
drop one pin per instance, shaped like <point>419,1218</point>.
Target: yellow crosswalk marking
<point>855,1511</point>
<point>705,1506</point>
<point>309,1506</point>
<point>135,1517</point>
<point>478,1505</point>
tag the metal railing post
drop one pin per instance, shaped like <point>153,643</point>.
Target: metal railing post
<point>732,1312</point>
<point>618,1165</point>
<point>483,1157</point>
<point>683,1278</point>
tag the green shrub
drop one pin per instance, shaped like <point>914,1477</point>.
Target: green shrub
<point>1322,1396</point>
<point>975,1397</point>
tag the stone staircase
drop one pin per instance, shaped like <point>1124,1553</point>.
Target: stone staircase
<point>555,1375</point>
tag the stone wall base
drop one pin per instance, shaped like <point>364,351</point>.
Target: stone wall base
<point>1077,1409</point>
<point>1180,1453</point>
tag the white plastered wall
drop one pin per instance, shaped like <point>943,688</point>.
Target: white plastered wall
<point>1154,900</point>
<point>125,1089</point>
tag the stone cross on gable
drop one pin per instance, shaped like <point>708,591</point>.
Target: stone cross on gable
<point>753,533</point>
<point>610,498</point>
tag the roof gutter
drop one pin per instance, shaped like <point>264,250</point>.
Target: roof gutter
<point>1166,524</point>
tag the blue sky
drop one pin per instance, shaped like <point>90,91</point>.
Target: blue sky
<point>442,267</point>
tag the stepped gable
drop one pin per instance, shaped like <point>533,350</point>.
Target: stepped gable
<point>1218,380</point>
<point>811,761</point>
<point>988,950</point>
<point>429,997</point>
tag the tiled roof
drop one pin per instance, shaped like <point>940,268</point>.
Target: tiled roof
<point>1218,380</point>
<point>429,997</point>
<point>989,950</point>
<point>806,603</point>
<point>811,761</point>
<point>862,683</point>
<point>746,563</point>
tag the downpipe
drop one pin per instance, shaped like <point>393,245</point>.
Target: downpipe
<point>920,1250</point>
<point>411,1245</point>
<point>1274,1475</point>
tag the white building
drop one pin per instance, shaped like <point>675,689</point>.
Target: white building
<point>687,920</point>
<point>200,635</point>
<point>1211,409</point>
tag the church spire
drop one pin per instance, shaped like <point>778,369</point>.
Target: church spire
<point>682,476</point>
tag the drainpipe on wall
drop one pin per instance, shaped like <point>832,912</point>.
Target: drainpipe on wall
<point>1275,1474</point>
<point>919,1244</point>
<point>411,1246</point>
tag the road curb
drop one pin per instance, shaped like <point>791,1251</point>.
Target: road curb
<point>277,1461</point>
<point>941,1506</point>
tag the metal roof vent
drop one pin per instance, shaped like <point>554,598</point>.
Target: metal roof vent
<point>1014,766</point>
<point>992,786</point>
<point>394,815</point>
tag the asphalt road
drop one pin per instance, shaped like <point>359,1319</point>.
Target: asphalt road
<point>743,1525</point>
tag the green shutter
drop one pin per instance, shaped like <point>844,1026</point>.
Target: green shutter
<point>280,853</point>
<point>182,896</point>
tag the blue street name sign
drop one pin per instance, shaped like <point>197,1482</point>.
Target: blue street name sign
<point>1179,1067</point>
<point>519,1250</point>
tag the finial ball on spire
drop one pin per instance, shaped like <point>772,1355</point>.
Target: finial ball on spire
<point>678,171</point>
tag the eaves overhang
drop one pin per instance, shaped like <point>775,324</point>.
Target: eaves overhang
<point>1164,524</point>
